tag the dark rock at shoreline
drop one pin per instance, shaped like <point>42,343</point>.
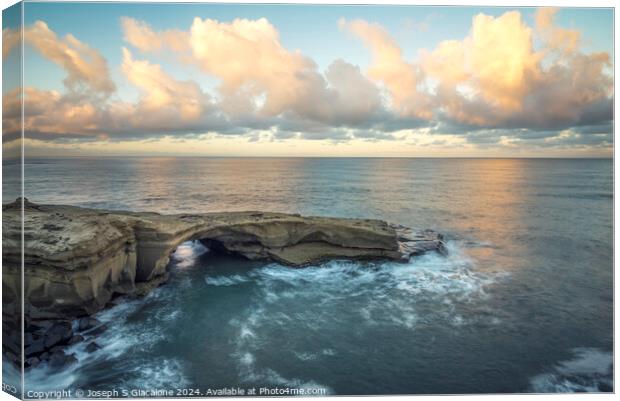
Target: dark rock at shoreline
<point>45,338</point>
<point>92,347</point>
<point>11,357</point>
<point>36,347</point>
<point>76,339</point>
<point>39,326</point>
<point>57,348</point>
<point>87,323</point>
<point>52,339</point>
<point>60,360</point>
<point>11,338</point>
<point>63,329</point>
<point>97,330</point>
<point>32,362</point>
<point>59,333</point>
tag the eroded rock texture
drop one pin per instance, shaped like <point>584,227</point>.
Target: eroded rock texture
<point>76,259</point>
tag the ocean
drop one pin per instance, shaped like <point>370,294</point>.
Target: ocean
<point>522,302</point>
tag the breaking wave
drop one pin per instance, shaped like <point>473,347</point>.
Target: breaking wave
<point>116,343</point>
<point>313,302</point>
<point>226,280</point>
<point>314,306</point>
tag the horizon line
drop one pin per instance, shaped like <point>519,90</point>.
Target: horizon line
<point>300,157</point>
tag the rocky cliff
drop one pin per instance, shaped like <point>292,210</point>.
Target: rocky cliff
<point>77,259</point>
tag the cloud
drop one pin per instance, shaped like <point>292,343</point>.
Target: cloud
<point>505,83</point>
<point>502,59</point>
<point>165,106</point>
<point>260,77</point>
<point>10,39</point>
<point>354,97</point>
<point>247,57</point>
<point>162,94</point>
<point>86,68</point>
<point>88,77</point>
<point>493,68</point>
<point>402,79</point>
<point>50,114</point>
<point>556,38</point>
<point>495,78</point>
<point>492,78</point>
<point>258,74</point>
<point>141,35</point>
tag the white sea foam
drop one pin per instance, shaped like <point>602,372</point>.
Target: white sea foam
<point>115,343</point>
<point>247,359</point>
<point>251,373</point>
<point>185,255</point>
<point>226,281</point>
<point>391,290</point>
<point>382,294</point>
<point>306,356</point>
<point>590,370</point>
<point>159,374</point>
<point>378,294</point>
<point>42,378</point>
<point>248,342</point>
<point>328,352</point>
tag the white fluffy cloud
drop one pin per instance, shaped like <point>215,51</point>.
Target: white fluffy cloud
<point>10,39</point>
<point>261,79</point>
<point>492,79</point>
<point>557,38</point>
<point>403,80</point>
<point>142,36</point>
<point>86,68</point>
<point>246,55</point>
<point>162,93</point>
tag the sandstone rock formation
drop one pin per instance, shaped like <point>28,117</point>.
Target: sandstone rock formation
<point>77,259</point>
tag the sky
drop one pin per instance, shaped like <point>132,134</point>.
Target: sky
<point>309,80</point>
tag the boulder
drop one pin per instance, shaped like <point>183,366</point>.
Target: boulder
<point>58,333</point>
<point>97,330</point>
<point>11,357</point>
<point>36,347</point>
<point>39,326</point>
<point>32,362</point>
<point>52,339</point>
<point>92,347</point>
<point>62,329</point>
<point>56,349</point>
<point>75,339</point>
<point>12,340</point>
<point>87,323</point>
<point>59,360</point>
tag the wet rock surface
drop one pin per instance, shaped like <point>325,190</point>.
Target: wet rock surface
<point>60,360</point>
<point>87,323</point>
<point>92,347</point>
<point>49,341</point>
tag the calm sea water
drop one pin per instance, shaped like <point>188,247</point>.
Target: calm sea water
<point>522,303</point>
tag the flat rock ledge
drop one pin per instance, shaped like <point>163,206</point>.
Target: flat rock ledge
<point>78,259</point>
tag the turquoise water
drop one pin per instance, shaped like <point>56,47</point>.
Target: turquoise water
<point>522,303</point>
